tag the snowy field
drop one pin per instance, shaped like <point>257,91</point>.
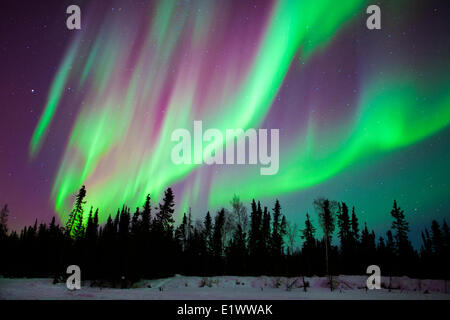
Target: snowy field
<point>229,288</point>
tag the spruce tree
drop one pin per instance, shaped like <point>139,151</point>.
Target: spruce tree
<point>266,232</point>
<point>326,211</point>
<point>436,238</point>
<point>116,222</point>
<point>355,227</point>
<point>365,238</point>
<point>74,225</point>
<point>254,244</point>
<point>307,235</point>
<point>401,229</point>
<point>218,233</point>
<point>276,230</point>
<point>345,232</point>
<point>96,222</point>
<point>135,223</point>
<point>207,229</point>
<point>181,233</point>
<point>308,248</point>
<point>124,223</point>
<point>146,215</point>
<point>283,232</point>
<point>164,217</point>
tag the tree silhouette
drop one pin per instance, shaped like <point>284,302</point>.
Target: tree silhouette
<point>344,223</point>
<point>326,211</point>
<point>400,228</point>
<point>74,226</point>
<point>4,221</point>
<point>218,240</point>
<point>309,245</point>
<point>133,246</point>
<point>208,232</point>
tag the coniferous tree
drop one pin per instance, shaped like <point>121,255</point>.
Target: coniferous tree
<point>368,247</point>
<point>208,243</point>
<point>354,246</point>
<point>390,244</point>
<point>309,242</point>
<point>372,241</point>
<point>308,247</point>
<point>219,224</point>
<point>137,245</point>
<point>218,233</point>
<point>390,255</point>
<point>283,227</point>
<point>326,211</point>
<point>254,244</point>
<point>124,223</point>
<point>164,217</point>
<point>355,227</point>
<point>346,238</point>
<point>95,224</point>
<point>116,222</point>
<point>365,238</point>
<point>381,249</point>
<point>115,250</point>
<point>400,228</point>
<point>266,231</point>
<point>135,223</point>
<point>276,230</point>
<point>74,226</point>
<point>436,238</point>
<point>163,232</point>
<point>181,233</point>
<point>4,222</point>
<point>405,254</point>
<point>146,216</point>
<point>344,223</point>
<point>89,226</point>
<point>208,231</point>
<point>53,229</point>
<point>437,241</point>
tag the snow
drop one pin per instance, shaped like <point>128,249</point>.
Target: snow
<point>229,288</point>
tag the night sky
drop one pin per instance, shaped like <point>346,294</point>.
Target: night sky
<point>363,114</point>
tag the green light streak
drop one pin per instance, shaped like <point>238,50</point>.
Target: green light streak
<point>54,97</point>
<point>391,115</point>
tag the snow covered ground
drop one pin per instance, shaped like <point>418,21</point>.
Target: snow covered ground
<point>229,288</point>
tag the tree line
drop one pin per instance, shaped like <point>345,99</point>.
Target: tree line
<point>146,243</point>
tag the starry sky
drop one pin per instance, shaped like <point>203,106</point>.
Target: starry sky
<point>363,114</point>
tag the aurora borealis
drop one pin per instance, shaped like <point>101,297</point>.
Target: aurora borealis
<point>363,114</point>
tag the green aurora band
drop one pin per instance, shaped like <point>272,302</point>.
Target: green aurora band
<point>119,146</point>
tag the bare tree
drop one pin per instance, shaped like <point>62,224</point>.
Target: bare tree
<point>229,227</point>
<point>199,225</point>
<point>291,234</point>
<point>240,213</point>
